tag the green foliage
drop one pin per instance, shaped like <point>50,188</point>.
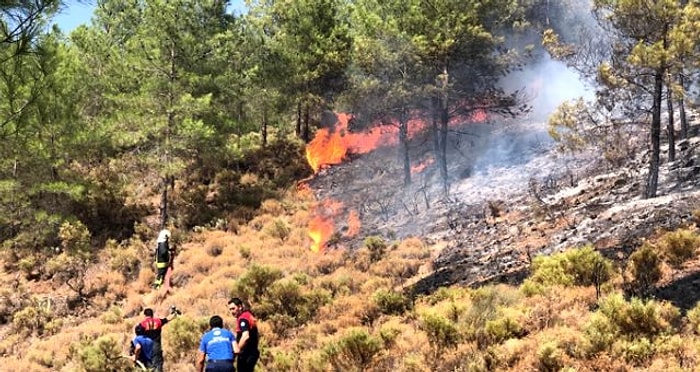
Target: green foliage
<point>500,329</point>
<point>376,246</point>
<point>631,320</point>
<point>354,351</point>
<point>581,267</point>
<point>32,319</point>
<point>549,357</point>
<point>693,316</point>
<point>288,305</point>
<point>638,351</point>
<point>183,335</point>
<point>254,283</point>
<point>101,354</point>
<point>391,302</point>
<point>645,269</point>
<point>124,259</point>
<point>278,229</point>
<point>442,333</point>
<point>679,246</point>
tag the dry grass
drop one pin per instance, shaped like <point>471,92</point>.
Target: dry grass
<point>210,262</point>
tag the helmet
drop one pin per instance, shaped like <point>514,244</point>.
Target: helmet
<point>163,235</point>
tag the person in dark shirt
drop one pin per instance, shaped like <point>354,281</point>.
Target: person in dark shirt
<point>153,327</point>
<point>216,348</point>
<point>246,335</point>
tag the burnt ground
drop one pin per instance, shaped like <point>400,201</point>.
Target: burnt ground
<point>513,197</point>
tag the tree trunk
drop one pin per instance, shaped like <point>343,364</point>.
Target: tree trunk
<point>435,127</point>
<point>298,127</point>
<point>170,125</point>
<point>403,143</point>
<point>655,134</point>
<point>681,108</point>
<point>306,135</point>
<point>263,129</point>
<point>164,203</point>
<point>444,118</point>
<point>670,128</point>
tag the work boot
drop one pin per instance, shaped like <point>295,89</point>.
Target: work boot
<point>157,283</point>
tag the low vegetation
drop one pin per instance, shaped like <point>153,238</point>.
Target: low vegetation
<point>348,311</point>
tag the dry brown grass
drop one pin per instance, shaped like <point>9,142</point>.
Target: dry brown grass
<point>210,262</point>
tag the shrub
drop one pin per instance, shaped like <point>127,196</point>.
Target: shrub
<point>390,302</point>
<point>124,260</point>
<point>102,354</point>
<point>679,246</point>
<point>376,246</point>
<point>638,351</point>
<point>550,357</point>
<point>183,336</point>
<point>500,329</point>
<point>32,319</point>
<point>645,269</point>
<point>442,333</point>
<point>693,316</point>
<point>631,320</point>
<point>581,267</point>
<point>254,283</point>
<point>355,350</point>
<point>278,229</point>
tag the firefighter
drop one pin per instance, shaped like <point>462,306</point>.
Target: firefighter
<point>163,256</point>
<point>152,329</point>
<point>247,337</point>
<point>215,353</point>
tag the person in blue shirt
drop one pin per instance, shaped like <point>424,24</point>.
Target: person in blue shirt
<point>143,347</point>
<point>216,348</point>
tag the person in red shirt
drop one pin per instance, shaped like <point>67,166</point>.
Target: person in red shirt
<point>153,327</point>
<point>247,337</point>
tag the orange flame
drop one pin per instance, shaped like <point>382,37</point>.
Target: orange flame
<point>320,230</point>
<point>422,165</point>
<point>353,224</point>
<point>321,226</point>
<point>331,146</point>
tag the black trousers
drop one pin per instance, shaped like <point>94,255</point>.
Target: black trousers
<point>157,357</point>
<point>246,362</point>
<point>219,366</point>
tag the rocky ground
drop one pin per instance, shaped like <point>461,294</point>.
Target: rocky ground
<point>513,197</point>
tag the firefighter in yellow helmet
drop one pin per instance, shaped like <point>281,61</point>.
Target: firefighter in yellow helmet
<point>163,255</point>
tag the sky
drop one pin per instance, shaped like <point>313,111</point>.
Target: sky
<point>78,12</point>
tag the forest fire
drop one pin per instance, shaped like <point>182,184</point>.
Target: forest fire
<point>321,226</point>
<point>331,145</point>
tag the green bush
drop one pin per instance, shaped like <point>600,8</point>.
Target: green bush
<point>581,267</point>
<point>182,335</point>
<point>278,229</point>
<point>376,246</point>
<point>354,351</point>
<point>254,283</point>
<point>500,329</point>
<point>550,357</point>
<point>442,333</point>
<point>32,319</point>
<point>102,354</point>
<point>638,351</point>
<point>631,320</point>
<point>645,269</point>
<point>693,316</point>
<point>679,246</point>
<point>290,303</point>
<point>391,302</point>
